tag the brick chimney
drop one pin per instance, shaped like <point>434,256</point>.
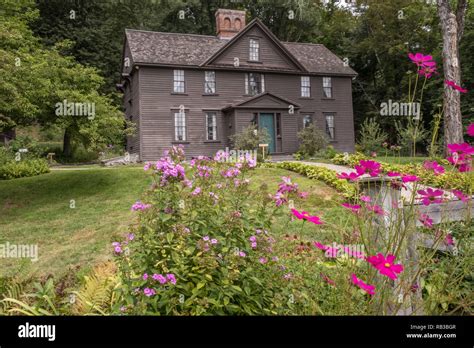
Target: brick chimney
<point>229,23</point>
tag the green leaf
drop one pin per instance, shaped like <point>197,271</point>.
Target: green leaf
<point>169,237</point>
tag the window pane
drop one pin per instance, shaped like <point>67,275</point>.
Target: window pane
<point>305,86</point>
<point>307,120</point>
<point>255,83</point>
<point>254,50</point>
<point>330,129</point>
<point>327,87</point>
<point>178,81</point>
<point>180,126</point>
<point>211,125</point>
<point>210,82</point>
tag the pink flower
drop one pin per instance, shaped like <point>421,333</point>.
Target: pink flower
<point>365,199</point>
<point>147,166</point>
<point>455,86</point>
<point>370,289</point>
<point>410,178</point>
<point>145,276</point>
<point>449,240</point>
<point>348,176</point>
<point>130,236</point>
<point>118,249</point>
<point>433,165</point>
<point>421,60</point>
<point>205,238</point>
<point>263,260</point>
<point>253,245</point>
<point>242,254</point>
<point>470,130</point>
<point>393,174</point>
<point>149,292</point>
<point>252,238</point>
<point>461,196</point>
<point>288,276</point>
<point>355,208</point>
<point>431,196</point>
<point>426,220</point>
<point>305,216</point>
<point>368,167</point>
<point>213,241</point>
<point>376,209</point>
<point>196,191</point>
<point>171,278</point>
<point>385,265</point>
<point>160,278</point>
<point>461,149</point>
<point>428,71</point>
<point>140,206</point>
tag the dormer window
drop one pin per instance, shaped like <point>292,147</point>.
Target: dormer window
<point>254,50</point>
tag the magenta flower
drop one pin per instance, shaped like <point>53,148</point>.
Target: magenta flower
<point>263,260</point>
<point>433,165</point>
<point>410,178</point>
<point>348,176</point>
<point>426,220</point>
<point>461,149</point>
<point>453,85</point>
<point>242,254</point>
<point>118,249</point>
<point>305,216</point>
<point>145,276</point>
<point>449,240</point>
<point>376,209</point>
<point>370,289</point>
<point>431,196</point>
<point>365,199</point>
<point>385,265</point>
<point>368,167</point>
<point>470,130</point>
<point>421,60</point>
<point>428,71</point>
<point>196,191</point>
<point>461,196</point>
<point>303,195</point>
<point>147,166</point>
<point>393,174</point>
<point>253,245</point>
<point>353,207</point>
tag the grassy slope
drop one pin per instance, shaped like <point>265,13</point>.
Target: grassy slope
<point>36,211</point>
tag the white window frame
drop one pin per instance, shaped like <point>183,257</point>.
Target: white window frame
<point>180,126</point>
<point>305,87</point>
<point>210,82</point>
<point>212,126</point>
<point>327,87</point>
<point>254,50</point>
<point>248,90</point>
<point>330,124</point>
<point>179,85</point>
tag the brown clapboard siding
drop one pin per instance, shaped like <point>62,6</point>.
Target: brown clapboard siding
<point>158,103</point>
<point>270,54</point>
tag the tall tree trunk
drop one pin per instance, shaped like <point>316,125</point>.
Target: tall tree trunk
<point>452,26</point>
<point>67,149</point>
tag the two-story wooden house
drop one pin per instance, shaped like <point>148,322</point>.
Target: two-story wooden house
<point>197,90</point>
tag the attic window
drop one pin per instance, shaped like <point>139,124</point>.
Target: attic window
<point>254,50</point>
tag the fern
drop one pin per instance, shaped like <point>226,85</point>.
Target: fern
<point>96,295</point>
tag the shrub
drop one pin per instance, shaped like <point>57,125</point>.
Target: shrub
<point>410,135</point>
<point>18,169</point>
<point>371,136</point>
<point>312,140</point>
<point>193,250</point>
<point>250,138</point>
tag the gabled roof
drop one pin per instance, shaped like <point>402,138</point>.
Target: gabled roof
<point>279,102</point>
<point>176,49</point>
<point>255,23</point>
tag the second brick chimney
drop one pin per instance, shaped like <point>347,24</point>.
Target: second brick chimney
<point>229,23</point>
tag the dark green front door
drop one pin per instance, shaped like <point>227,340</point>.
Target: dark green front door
<point>268,121</point>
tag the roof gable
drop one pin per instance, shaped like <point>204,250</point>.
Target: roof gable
<point>264,100</point>
<point>273,54</point>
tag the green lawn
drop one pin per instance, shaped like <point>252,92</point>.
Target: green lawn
<point>37,210</point>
